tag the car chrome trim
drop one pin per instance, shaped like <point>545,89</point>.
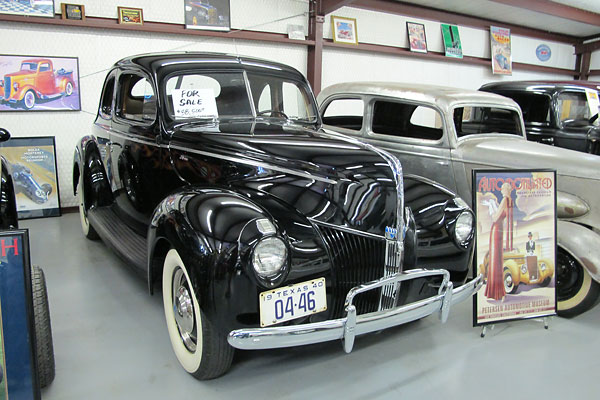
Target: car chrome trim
<point>347,328</point>
<point>346,229</point>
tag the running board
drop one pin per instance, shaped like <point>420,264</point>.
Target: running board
<point>128,244</point>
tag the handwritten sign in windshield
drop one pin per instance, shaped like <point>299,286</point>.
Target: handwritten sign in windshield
<point>194,103</point>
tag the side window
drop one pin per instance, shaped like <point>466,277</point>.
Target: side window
<point>407,120</point>
<point>264,100</point>
<point>44,67</point>
<point>345,113</point>
<point>478,120</point>
<point>107,97</point>
<point>573,106</point>
<point>136,100</point>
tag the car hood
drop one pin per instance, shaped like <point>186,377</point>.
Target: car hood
<point>20,73</point>
<point>512,152</point>
<point>326,177</point>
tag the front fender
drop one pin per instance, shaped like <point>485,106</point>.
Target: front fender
<point>582,244</point>
<point>88,163</point>
<point>20,93</point>
<point>514,270</point>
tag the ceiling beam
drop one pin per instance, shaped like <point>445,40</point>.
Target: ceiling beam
<point>587,47</point>
<point>555,9</point>
<point>327,6</point>
<point>433,14</point>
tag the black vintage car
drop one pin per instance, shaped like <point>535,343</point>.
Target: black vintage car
<point>555,113</point>
<point>209,174</point>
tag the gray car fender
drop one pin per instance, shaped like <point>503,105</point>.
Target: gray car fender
<point>582,244</point>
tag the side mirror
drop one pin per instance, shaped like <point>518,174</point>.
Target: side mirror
<point>4,135</point>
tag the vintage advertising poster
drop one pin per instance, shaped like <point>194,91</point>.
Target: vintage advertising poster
<point>500,50</point>
<point>33,169</point>
<point>18,378</point>
<point>451,39</point>
<point>207,14</point>
<point>36,8</point>
<point>516,244</point>
<point>39,83</point>
<point>416,37</point>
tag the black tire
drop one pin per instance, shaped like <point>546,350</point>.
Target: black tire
<point>576,291</point>
<point>204,353</point>
<point>46,187</point>
<point>43,330</point>
<point>546,282</point>
<point>86,227</point>
<point>509,285</point>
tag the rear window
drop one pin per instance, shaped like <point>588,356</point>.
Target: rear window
<point>406,120</point>
<point>478,120</point>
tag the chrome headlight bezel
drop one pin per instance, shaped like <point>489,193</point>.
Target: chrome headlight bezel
<point>523,269</point>
<point>463,228</point>
<point>543,267</point>
<point>274,252</point>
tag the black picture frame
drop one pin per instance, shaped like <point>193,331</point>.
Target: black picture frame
<point>416,43</point>
<point>33,167</point>
<point>215,16</point>
<point>475,174</point>
<point>72,11</point>
<point>20,379</point>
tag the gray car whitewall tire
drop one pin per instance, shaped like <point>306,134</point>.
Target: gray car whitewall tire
<point>211,355</point>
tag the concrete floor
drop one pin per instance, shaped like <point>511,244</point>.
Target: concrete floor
<point>110,342</point>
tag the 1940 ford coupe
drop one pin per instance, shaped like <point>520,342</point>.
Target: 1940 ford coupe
<point>209,173</point>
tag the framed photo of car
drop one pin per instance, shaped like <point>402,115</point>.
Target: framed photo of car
<point>500,45</point>
<point>515,244</point>
<point>344,30</point>
<point>416,37</point>
<point>213,15</point>
<point>33,8</point>
<point>32,164</point>
<point>18,375</point>
<point>72,11</point>
<point>130,16</point>
<point>39,83</point>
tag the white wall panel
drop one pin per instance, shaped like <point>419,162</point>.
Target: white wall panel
<point>98,50</point>
<point>349,66</point>
<point>595,62</point>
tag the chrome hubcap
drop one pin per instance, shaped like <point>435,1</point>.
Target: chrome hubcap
<point>508,283</point>
<point>183,308</point>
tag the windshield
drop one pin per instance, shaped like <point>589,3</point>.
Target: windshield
<point>472,120</point>
<point>224,95</point>
<point>28,66</point>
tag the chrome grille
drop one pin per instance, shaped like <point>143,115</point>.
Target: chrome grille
<point>7,87</point>
<point>355,259</point>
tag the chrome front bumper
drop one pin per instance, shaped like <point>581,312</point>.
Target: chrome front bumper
<point>349,327</point>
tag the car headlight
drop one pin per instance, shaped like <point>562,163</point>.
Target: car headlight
<point>269,256</point>
<point>523,269</point>
<point>543,266</point>
<point>16,86</point>
<point>463,227</point>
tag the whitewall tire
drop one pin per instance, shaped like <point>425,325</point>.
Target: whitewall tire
<point>88,230</point>
<point>199,349</point>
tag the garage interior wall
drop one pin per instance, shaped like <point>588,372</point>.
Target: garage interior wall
<point>97,51</point>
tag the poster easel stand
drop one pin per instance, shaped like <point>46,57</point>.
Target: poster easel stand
<point>546,321</point>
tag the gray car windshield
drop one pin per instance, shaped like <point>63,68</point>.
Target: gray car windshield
<point>473,120</point>
<point>224,95</point>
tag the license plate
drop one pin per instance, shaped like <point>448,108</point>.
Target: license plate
<point>293,301</point>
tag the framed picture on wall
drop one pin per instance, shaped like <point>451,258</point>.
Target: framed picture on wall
<point>33,169</point>
<point>34,8</point>
<point>451,38</point>
<point>18,368</point>
<point>54,87</point>
<point>515,212</point>
<point>344,30</point>
<point>501,50</point>
<point>213,15</point>
<point>416,37</point>
<point>130,16</point>
<point>72,11</point>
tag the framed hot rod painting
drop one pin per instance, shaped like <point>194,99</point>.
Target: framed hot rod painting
<point>213,15</point>
<point>39,83</point>
<point>32,163</point>
<point>515,244</point>
<point>34,8</point>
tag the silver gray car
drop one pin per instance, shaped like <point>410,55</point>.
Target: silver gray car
<point>444,133</point>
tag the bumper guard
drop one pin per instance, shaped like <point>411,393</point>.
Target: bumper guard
<point>348,327</point>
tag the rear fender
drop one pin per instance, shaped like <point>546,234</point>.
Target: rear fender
<point>581,243</point>
<point>88,163</point>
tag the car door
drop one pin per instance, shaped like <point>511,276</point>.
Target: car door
<point>135,152</point>
<point>45,79</point>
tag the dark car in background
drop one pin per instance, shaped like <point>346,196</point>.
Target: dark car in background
<point>210,175</point>
<point>555,113</point>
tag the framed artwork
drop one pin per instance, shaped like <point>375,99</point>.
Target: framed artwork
<point>343,30</point>
<point>515,251</point>
<point>130,16</point>
<point>72,11</point>
<point>54,87</point>
<point>451,38</point>
<point>19,378</point>
<point>500,50</point>
<point>34,8</point>
<point>213,15</point>
<point>33,169</point>
<point>416,37</point>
